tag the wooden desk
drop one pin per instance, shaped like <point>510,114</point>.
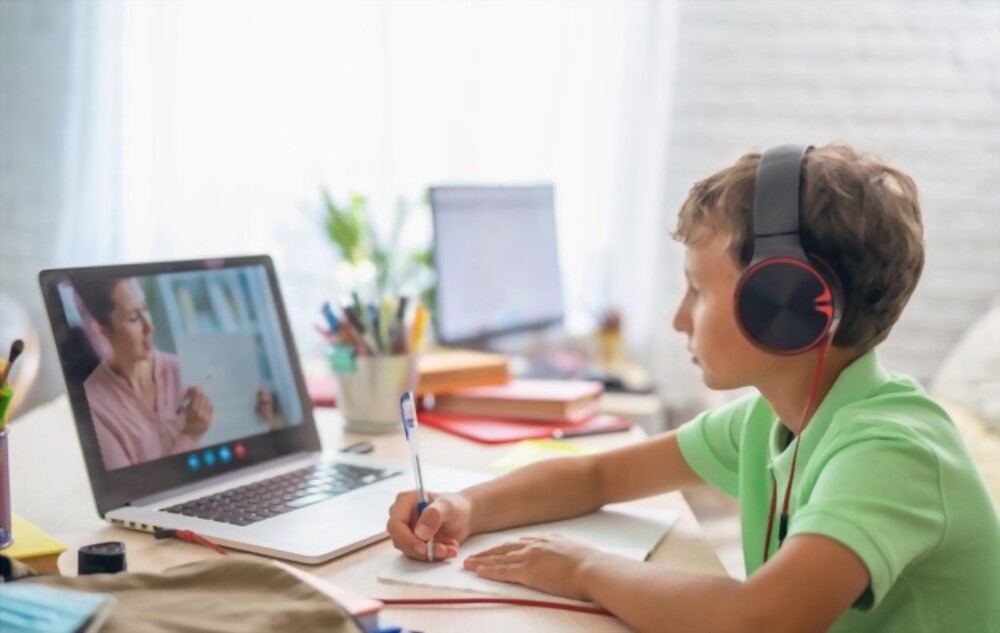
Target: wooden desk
<point>50,488</point>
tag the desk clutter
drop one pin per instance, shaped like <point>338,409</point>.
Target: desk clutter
<point>473,396</point>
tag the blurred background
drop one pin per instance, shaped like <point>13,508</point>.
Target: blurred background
<point>142,130</point>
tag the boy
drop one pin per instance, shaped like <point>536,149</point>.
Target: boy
<point>889,526</point>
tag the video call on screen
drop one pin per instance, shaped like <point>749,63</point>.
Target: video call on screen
<point>174,362</point>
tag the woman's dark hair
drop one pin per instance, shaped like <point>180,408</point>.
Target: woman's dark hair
<point>96,297</point>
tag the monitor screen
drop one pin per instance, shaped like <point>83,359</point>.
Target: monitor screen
<point>177,371</point>
<point>497,261</point>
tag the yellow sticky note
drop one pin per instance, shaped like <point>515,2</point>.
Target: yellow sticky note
<point>531,451</point>
<point>29,541</point>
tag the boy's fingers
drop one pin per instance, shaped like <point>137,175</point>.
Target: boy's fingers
<point>500,549</point>
<point>442,551</point>
<point>474,562</point>
<point>429,522</point>
<point>405,541</point>
<point>505,573</point>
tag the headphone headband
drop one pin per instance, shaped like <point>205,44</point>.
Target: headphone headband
<point>777,191</point>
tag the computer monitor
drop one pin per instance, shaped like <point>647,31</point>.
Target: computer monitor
<point>497,262</point>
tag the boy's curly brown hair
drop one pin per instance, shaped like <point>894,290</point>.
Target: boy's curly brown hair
<point>857,213</point>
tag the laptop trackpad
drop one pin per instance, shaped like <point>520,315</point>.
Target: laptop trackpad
<point>347,517</point>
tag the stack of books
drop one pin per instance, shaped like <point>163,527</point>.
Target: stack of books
<point>523,409</point>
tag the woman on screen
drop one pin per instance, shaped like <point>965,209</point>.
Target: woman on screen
<point>140,408</point>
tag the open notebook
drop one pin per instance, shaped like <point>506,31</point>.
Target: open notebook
<point>626,531</point>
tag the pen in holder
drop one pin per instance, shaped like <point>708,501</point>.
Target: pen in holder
<point>370,387</point>
<point>6,517</point>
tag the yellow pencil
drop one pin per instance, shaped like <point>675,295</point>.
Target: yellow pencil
<point>419,322</point>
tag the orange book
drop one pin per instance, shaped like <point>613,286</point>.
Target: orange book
<point>536,400</point>
<point>451,370</point>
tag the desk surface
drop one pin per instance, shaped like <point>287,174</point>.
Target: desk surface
<point>50,488</point>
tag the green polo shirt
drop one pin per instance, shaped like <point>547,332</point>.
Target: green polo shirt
<point>881,470</point>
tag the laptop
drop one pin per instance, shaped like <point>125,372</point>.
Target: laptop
<point>192,413</point>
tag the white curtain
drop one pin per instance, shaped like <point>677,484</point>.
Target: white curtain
<point>59,145</point>
<point>235,113</point>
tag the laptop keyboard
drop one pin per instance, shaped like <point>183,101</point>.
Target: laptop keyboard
<point>275,496</point>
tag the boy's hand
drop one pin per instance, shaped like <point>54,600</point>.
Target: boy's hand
<point>549,564</point>
<point>446,520</point>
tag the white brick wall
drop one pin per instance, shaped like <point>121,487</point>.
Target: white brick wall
<point>915,82</point>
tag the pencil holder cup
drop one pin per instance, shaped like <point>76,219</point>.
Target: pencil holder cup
<point>370,388</point>
<point>6,534</point>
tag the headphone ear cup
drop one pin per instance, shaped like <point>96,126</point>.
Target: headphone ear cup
<point>785,306</point>
<point>833,282</point>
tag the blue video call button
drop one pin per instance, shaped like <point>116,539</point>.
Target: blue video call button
<point>225,454</point>
<point>193,461</point>
<point>209,456</point>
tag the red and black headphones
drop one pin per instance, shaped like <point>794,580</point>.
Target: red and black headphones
<point>787,301</point>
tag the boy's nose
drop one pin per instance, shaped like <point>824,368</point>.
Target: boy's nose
<point>681,322</point>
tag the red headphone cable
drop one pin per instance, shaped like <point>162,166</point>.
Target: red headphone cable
<point>807,413</point>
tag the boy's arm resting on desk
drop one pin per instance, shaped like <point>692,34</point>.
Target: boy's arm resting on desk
<point>641,470</point>
<point>785,595</point>
<point>547,491</point>
<point>563,488</point>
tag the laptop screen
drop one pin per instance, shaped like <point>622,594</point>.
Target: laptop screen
<point>177,371</point>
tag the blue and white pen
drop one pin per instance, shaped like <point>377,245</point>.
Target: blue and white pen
<point>408,410</point>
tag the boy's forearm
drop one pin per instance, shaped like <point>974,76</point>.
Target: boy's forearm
<point>548,491</point>
<point>651,598</point>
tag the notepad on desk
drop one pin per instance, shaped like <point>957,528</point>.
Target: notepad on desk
<point>631,532</point>
<point>33,547</point>
<point>536,400</point>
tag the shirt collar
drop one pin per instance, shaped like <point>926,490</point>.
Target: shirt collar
<point>856,382</point>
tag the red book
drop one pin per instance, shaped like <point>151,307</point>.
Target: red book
<point>322,390</point>
<point>498,431</point>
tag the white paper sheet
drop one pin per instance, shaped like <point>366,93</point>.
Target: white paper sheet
<point>630,532</point>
